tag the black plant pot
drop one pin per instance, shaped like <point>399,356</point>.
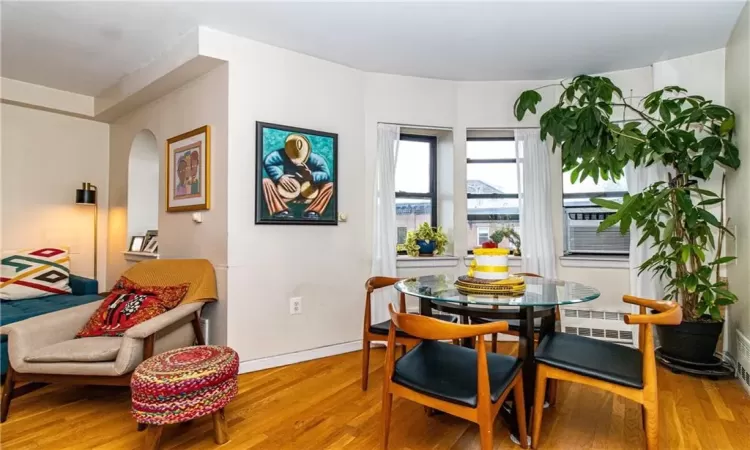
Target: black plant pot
<point>690,341</point>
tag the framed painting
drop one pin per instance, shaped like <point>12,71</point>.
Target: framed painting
<point>188,162</point>
<point>295,181</point>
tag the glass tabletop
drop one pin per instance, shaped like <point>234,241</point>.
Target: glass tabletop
<point>539,292</point>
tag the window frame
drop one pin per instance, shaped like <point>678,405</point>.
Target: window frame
<point>432,194</point>
<point>479,233</point>
<point>491,217</point>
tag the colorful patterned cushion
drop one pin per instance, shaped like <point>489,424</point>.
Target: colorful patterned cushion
<point>183,384</point>
<point>125,308</point>
<point>35,273</point>
<point>171,296</point>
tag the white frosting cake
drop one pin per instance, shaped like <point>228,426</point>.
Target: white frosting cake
<point>490,264</point>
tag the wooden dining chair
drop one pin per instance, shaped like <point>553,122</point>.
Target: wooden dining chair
<point>379,332</point>
<point>467,383</point>
<point>514,325</point>
<point>615,368</point>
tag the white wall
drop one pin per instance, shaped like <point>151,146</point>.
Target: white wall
<point>200,102</point>
<point>738,182</point>
<point>45,158</point>
<point>327,266</point>
<point>143,185</point>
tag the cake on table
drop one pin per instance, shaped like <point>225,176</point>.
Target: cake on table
<point>489,273</point>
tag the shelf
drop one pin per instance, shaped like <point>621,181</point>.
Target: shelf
<point>140,256</point>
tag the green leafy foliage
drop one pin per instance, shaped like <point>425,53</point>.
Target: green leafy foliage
<point>686,133</point>
<point>513,237</point>
<point>427,233</point>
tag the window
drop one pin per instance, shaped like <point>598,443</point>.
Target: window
<point>581,218</point>
<point>416,183</point>
<point>493,171</point>
<point>401,235</point>
<point>483,235</point>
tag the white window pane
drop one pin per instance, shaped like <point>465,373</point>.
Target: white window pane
<point>477,231</point>
<point>412,212</point>
<point>492,178</point>
<point>588,185</point>
<point>490,149</point>
<point>507,206</point>
<point>413,167</point>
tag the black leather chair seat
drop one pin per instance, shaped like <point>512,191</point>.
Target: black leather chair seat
<point>449,372</point>
<point>513,324</point>
<point>383,327</point>
<point>593,358</point>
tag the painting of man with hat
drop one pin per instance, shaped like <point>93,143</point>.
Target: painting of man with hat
<point>297,175</point>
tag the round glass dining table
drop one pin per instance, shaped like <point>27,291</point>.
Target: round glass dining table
<point>531,312</point>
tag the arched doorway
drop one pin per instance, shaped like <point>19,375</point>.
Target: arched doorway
<point>143,185</point>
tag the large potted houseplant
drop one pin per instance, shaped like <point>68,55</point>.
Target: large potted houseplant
<point>689,135</point>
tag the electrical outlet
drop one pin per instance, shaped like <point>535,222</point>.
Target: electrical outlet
<point>295,305</point>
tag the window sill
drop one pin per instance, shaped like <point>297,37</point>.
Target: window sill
<point>599,262</point>
<point>140,256</point>
<point>414,262</point>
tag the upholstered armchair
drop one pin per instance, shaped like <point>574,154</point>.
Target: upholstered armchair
<point>43,349</point>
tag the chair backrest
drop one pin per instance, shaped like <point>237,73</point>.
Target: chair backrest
<point>373,284</point>
<point>669,313</point>
<point>199,273</point>
<point>433,329</point>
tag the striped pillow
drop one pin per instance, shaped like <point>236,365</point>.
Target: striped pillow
<point>35,273</point>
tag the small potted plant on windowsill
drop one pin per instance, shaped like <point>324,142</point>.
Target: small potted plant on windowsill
<point>690,136</point>
<point>511,235</point>
<point>425,241</point>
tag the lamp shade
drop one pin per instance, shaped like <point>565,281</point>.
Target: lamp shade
<point>86,196</point>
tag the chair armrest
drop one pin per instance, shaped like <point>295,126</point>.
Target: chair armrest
<point>48,329</point>
<point>82,285</point>
<point>158,323</point>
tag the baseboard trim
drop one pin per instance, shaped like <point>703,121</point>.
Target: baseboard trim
<point>301,356</point>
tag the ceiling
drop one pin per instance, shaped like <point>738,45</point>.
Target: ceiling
<point>85,47</point>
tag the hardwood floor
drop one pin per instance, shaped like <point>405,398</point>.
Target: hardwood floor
<point>319,405</point>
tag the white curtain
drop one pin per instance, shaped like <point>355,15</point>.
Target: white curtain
<point>384,226</point>
<point>638,179</point>
<point>644,285</point>
<point>537,243</point>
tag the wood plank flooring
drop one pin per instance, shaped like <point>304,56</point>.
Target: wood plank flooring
<point>319,405</point>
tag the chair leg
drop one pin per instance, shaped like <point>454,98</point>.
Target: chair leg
<point>404,349</point>
<point>487,435</point>
<point>494,343</point>
<point>221,430</point>
<point>365,363</point>
<point>153,435</point>
<point>10,382</point>
<point>552,392</point>
<point>651,419</point>
<point>518,400</point>
<point>386,419</point>
<point>541,385</point>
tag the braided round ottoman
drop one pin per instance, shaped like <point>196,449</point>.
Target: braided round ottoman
<point>184,384</point>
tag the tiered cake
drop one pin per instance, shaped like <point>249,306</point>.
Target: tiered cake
<point>489,264</point>
<point>488,274</point>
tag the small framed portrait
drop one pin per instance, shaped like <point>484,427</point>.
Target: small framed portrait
<point>136,243</point>
<point>296,181</point>
<point>188,163</point>
<point>152,245</point>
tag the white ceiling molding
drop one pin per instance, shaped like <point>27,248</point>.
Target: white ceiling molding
<point>29,95</point>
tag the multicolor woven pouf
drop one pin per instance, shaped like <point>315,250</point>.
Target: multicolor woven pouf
<point>183,384</point>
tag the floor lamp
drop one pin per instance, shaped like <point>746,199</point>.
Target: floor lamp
<point>87,196</point>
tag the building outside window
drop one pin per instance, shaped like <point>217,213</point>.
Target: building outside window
<point>493,172</point>
<point>416,183</point>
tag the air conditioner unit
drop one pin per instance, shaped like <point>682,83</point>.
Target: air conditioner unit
<point>581,236</point>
